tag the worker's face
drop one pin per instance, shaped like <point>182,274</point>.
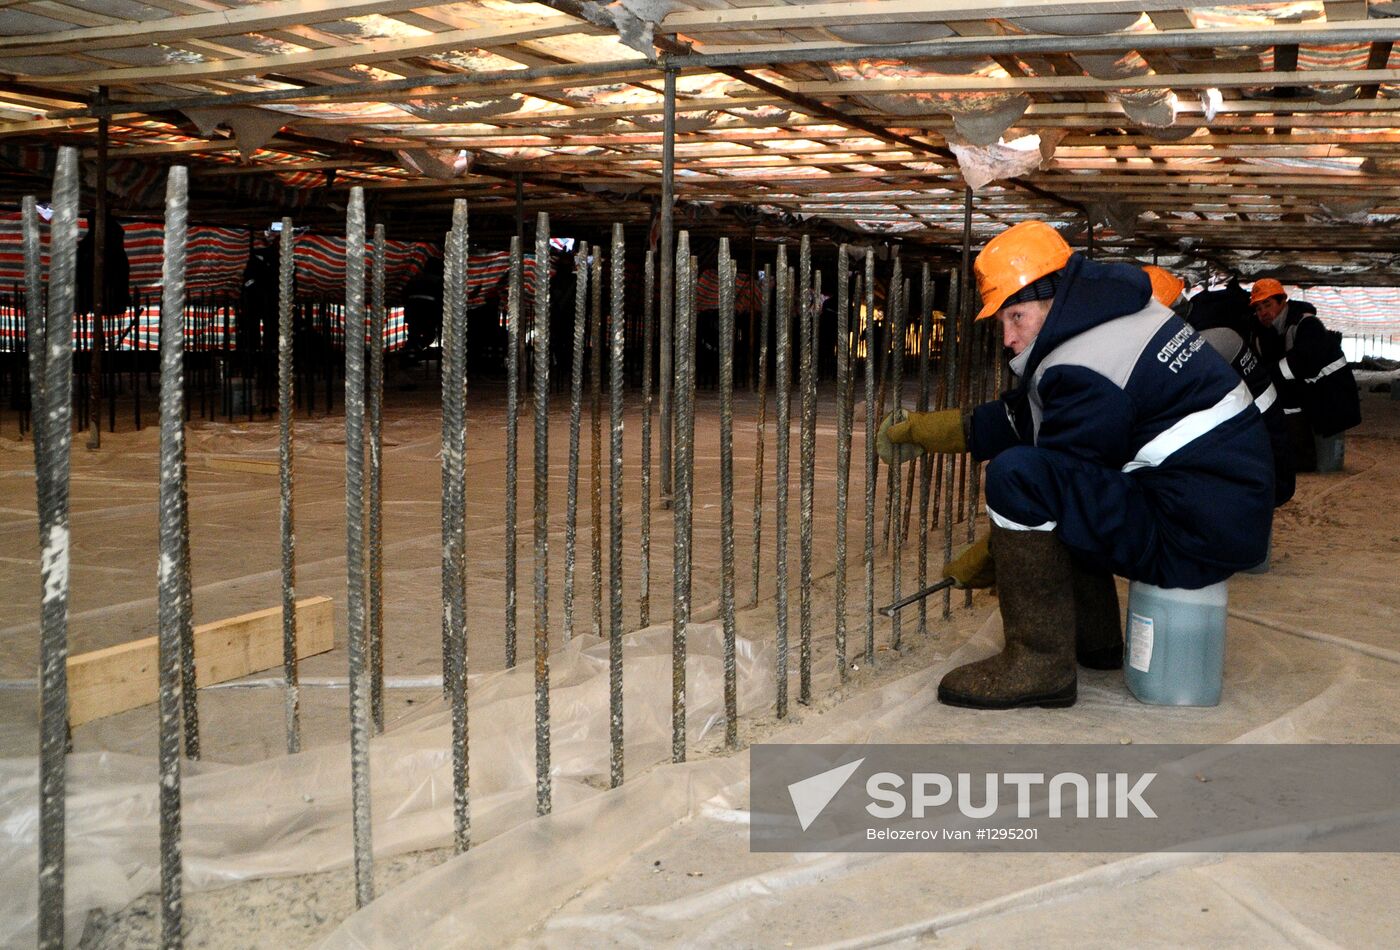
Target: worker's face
<point>1267,311</point>
<point>1021,323</point>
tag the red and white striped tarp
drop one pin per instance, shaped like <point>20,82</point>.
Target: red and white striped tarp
<point>1355,311</point>
<point>746,297</point>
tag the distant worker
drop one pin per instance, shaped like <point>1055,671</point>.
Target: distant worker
<point>1130,448</point>
<point>1229,334</point>
<point>1318,390</point>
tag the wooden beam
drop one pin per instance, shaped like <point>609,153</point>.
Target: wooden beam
<point>940,83</point>
<point>504,31</point>
<point>106,682</point>
<point>257,18</point>
<point>790,16</point>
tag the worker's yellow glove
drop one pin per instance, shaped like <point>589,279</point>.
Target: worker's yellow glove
<point>940,431</point>
<point>973,567</point>
<point>890,453</point>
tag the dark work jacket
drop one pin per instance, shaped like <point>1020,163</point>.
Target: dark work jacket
<point>1116,379</point>
<point>1310,370</point>
<point>1223,318</point>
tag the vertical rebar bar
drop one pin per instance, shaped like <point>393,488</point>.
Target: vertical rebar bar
<point>726,488</point>
<point>897,310</point>
<point>512,443</point>
<point>806,303</point>
<point>618,325</point>
<point>668,275</point>
<point>542,783</point>
<point>355,541</point>
<point>595,455</point>
<point>189,690</point>
<point>843,444</point>
<point>291,699</point>
<point>53,420</point>
<point>581,277</point>
<point>451,578</point>
<point>765,309</point>
<point>783,378</point>
<point>870,456</point>
<point>680,584</point>
<point>375,411</point>
<point>966,311</point>
<point>455,454</point>
<point>926,460</point>
<point>949,360</point>
<point>171,589</point>
<point>648,354</point>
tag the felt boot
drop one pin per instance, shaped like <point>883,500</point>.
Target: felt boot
<point>1035,583</point>
<point>1098,624</point>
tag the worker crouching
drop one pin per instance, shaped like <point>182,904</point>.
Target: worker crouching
<point>1130,447</point>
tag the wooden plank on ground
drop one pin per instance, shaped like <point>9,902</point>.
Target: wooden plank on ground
<point>105,682</point>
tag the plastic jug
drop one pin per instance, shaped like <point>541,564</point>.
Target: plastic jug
<point>1175,644</point>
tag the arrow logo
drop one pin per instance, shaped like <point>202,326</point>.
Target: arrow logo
<point>811,795</point>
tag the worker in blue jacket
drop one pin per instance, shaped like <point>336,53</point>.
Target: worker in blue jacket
<point>1130,448</point>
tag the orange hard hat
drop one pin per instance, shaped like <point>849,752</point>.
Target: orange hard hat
<point>1020,255</point>
<point>1166,286</point>
<point>1264,288</point>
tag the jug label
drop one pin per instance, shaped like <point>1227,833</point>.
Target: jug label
<point>1140,642</point>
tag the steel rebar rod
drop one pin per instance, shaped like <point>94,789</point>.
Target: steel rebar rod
<point>950,401</point>
<point>908,472</point>
<point>969,364</point>
<point>783,379</point>
<point>512,446</point>
<point>680,583</point>
<point>541,515</point>
<point>763,331</point>
<point>286,270</point>
<point>843,444</point>
<point>355,542</point>
<point>53,421</point>
<point>618,325</point>
<point>454,416</point>
<point>451,288</point>
<point>870,456</point>
<point>581,279</point>
<point>897,321</point>
<point>595,454</point>
<point>668,280</point>
<point>171,591</point>
<point>375,412</point>
<point>807,460</point>
<point>726,489</point>
<point>648,354</point>
<point>926,460</point>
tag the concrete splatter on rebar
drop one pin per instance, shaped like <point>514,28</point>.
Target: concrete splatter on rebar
<point>541,514</point>
<point>286,522</point>
<point>783,378</point>
<point>726,489</point>
<point>618,326</point>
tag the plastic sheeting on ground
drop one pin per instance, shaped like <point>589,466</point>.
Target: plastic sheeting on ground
<point>665,859</point>
<point>292,815</point>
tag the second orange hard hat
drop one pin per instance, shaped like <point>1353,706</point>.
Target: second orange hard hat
<point>1166,286</point>
<point>1264,288</point>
